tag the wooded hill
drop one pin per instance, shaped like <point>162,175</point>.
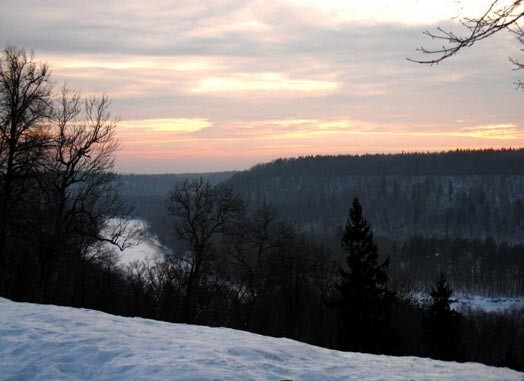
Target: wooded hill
<point>462,211</point>
<point>456,194</point>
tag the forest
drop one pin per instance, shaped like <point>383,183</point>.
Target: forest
<point>417,204</point>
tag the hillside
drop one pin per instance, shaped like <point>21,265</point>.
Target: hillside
<point>456,194</point>
<point>450,163</point>
<point>43,342</point>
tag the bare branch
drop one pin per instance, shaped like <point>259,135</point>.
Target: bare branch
<point>495,19</point>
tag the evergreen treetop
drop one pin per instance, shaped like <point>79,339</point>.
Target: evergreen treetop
<point>364,305</point>
<point>441,325</point>
<point>362,254</point>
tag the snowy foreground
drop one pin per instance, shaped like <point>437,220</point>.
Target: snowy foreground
<point>39,342</point>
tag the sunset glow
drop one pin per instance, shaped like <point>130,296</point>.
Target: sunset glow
<point>220,86</point>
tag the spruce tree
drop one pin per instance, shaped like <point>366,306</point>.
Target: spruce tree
<point>441,325</point>
<point>364,305</point>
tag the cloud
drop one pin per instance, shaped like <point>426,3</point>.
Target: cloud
<point>177,125</point>
<point>261,79</point>
<point>272,82</point>
<point>493,131</point>
<point>417,12</point>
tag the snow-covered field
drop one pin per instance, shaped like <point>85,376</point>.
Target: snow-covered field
<point>42,342</point>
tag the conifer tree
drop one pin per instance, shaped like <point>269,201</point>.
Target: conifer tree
<point>364,305</point>
<point>441,325</point>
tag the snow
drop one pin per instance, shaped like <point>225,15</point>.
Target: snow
<point>145,247</point>
<point>141,244</point>
<point>487,304</point>
<point>44,342</point>
<point>463,302</point>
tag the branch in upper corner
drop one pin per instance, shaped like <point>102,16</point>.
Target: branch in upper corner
<point>496,18</point>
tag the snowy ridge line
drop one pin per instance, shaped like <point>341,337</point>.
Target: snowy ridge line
<point>487,304</point>
<point>45,342</point>
<point>462,302</point>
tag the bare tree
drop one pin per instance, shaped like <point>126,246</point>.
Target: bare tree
<point>58,195</point>
<point>249,249</point>
<point>78,199</point>
<point>202,213</point>
<point>81,166</point>
<point>25,103</point>
<point>499,16</point>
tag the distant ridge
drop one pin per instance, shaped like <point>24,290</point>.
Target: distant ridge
<point>448,163</point>
<point>471,194</point>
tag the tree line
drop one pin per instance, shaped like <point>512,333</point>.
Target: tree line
<point>460,162</point>
<point>480,267</point>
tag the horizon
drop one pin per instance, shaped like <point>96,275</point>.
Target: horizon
<point>502,149</point>
<point>219,87</point>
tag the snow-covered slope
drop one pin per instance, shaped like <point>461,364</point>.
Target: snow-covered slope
<point>39,342</point>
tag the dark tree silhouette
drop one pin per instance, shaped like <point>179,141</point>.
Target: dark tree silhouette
<point>25,104</point>
<point>77,198</point>
<point>364,307</point>
<point>202,213</point>
<point>57,192</point>
<point>441,325</point>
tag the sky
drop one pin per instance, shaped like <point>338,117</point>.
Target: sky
<point>223,85</point>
